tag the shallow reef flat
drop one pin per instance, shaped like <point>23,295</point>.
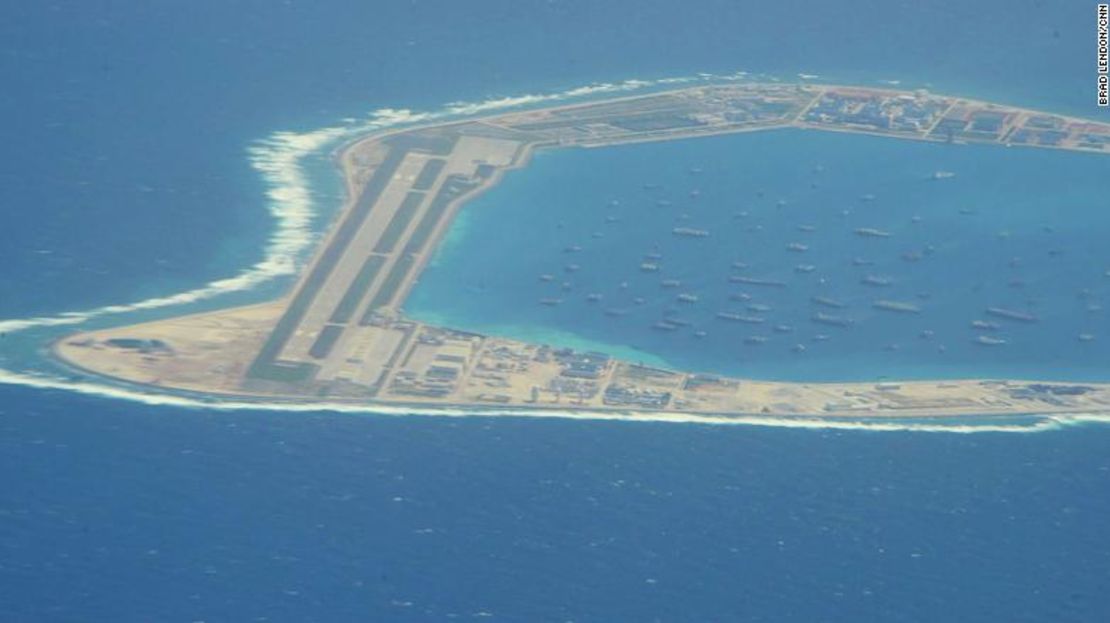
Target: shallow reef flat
<point>341,334</point>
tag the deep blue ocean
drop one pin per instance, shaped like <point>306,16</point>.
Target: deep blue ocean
<point>127,175</point>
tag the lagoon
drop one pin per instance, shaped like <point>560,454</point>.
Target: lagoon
<point>949,233</point>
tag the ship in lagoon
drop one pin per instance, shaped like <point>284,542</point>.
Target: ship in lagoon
<point>353,331</point>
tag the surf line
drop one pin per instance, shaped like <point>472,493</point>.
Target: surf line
<point>1037,424</point>
<point>279,161</point>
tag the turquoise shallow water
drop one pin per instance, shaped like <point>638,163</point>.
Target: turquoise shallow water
<point>127,128</point>
<point>1017,229</point>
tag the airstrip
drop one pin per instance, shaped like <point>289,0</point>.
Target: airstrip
<point>340,334</point>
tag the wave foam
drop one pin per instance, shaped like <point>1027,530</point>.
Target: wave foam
<point>279,160</point>
<point>1036,424</point>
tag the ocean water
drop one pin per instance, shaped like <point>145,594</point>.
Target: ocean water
<point>170,157</point>
<point>111,512</point>
<point>1016,229</point>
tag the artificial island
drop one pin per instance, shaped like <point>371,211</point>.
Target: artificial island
<point>340,335</point>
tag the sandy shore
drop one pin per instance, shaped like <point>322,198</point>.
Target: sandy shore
<point>405,186</point>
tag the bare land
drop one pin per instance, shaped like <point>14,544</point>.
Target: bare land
<point>339,336</point>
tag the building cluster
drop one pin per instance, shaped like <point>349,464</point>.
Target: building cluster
<point>580,374</point>
<point>968,122</point>
<point>617,395</point>
<point>879,110</point>
<point>436,365</point>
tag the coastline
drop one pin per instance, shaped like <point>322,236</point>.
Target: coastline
<point>512,130</point>
<point>210,399</point>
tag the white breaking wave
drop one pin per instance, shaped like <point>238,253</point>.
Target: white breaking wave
<point>1037,423</point>
<point>279,160</point>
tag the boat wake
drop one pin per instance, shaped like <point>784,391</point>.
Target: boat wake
<point>280,160</point>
